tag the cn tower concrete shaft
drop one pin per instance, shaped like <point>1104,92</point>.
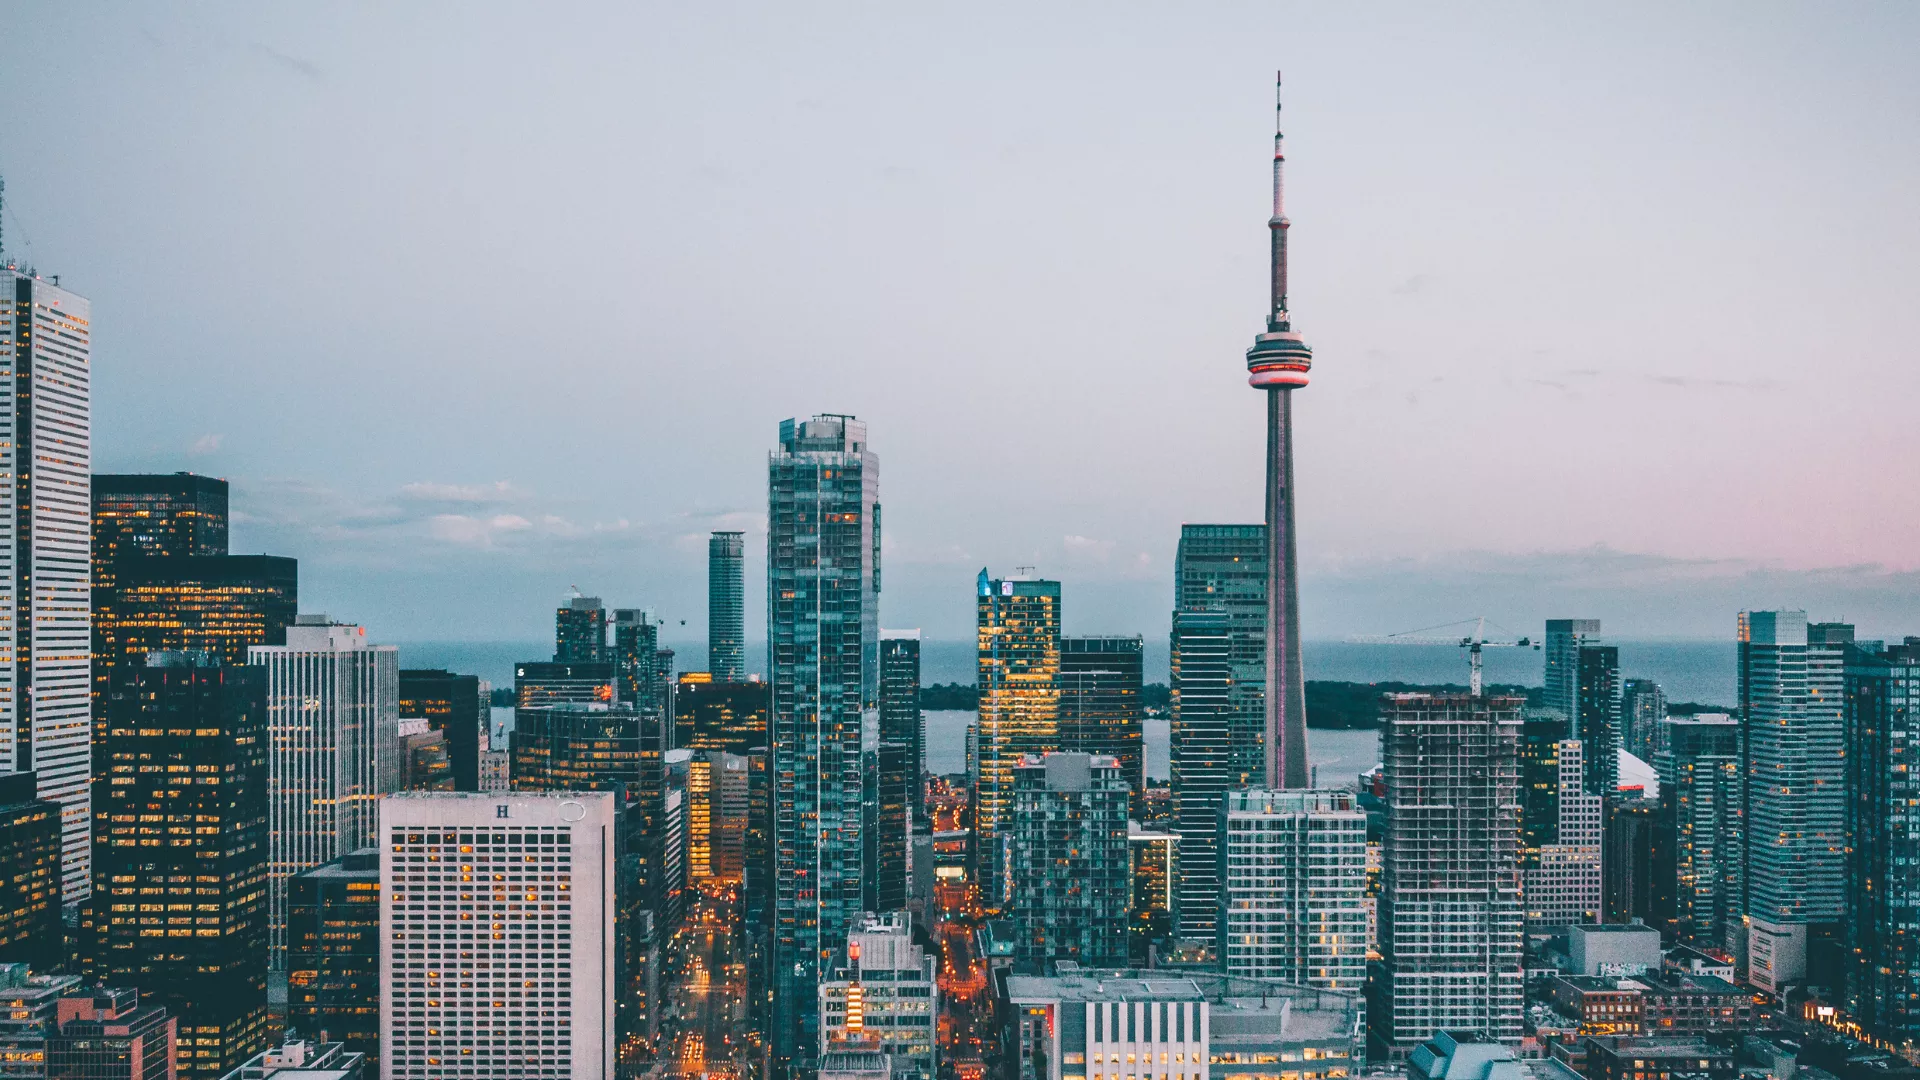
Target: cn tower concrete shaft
<point>1286,679</point>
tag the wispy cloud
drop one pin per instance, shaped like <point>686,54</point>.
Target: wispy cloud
<point>205,444</point>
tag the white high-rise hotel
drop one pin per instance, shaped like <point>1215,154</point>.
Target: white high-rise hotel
<point>46,517</point>
<point>496,923</point>
<point>333,748</point>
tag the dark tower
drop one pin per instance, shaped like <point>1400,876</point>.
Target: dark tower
<point>1278,364</point>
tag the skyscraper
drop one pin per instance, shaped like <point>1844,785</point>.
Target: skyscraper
<point>1564,639</point>
<point>1100,707</point>
<point>823,629</point>
<point>333,730</point>
<point>452,704</point>
<point>1883,863</point>
<point>580,632</point>
<point>1560,875</point>
<point>1699,860</point>
<point>1019,714</point>
<point>887,846</point>
<point>1222,568</point>
<point>636,657</point>
<point>885,997</point>
<point>45,691</point>
<point>1277,365</point>
<point>1156,867</point>
<point>30,930</point>
<point>333,951</point>
<point>1450,911</point>
<point>1643,705</point>
<point>1070,884</point>
<point>900,719</point>
<point>1294,896</point>
<point>726,606</point>
<point>1791,690</point>
<point>1597,716</point>
<point>1629,851</point>
<point>1201,761</point>
<point>710,715</point>
<point>184,756</point>
<point>219,604</point>
<point>513,983</point>
<point>140,515</point>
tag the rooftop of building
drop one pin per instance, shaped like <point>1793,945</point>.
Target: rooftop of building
<point>1654,1046</point>
<point>1238,1007</point>
<point>360,862</point>
<point>1464,1055</point>
<point>1604,929</point>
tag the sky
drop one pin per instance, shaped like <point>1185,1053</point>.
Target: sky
<point>1611,306</point>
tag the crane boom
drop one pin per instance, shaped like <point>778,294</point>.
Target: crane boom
<point>1473,642</point>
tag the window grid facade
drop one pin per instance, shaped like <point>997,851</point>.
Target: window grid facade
<point>1018,625</point>
<point>1294,867</point>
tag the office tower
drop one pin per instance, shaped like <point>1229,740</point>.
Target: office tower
<point>1627,853</point>
<point>1295,876</point>
<point>452,704</point>
<point>1277,365</point>
<point>424,762</point>
<point>1698,868</point>
<point>537,682</point>
<point>636,654</point>
<point>44,554</point>
<point>756,890</point>
<point>580,632</point>
<point>333,951</point>
<point>883,998</point>
<point>110,1033</point>
<point>184,757</point>
<point>513,982</point>
<point>716,816</point>
<point>1100,705</point>
<point>709,715</point>
<point>1597,715</point>
<point>1791,686</point>
<point>333,739</point>
<point>1201,760</point>
<point>1070,881</point>
<point>823,628</point>
<point>141,515</point>
<point>726,606</point>
<point>306,1059</point>
<point>219,604</point>
<point>1019,713</point>
<point>1882,711</point>
<point>583,747</point>
<point>1156,866</point>
<point>30,930</point>
<point>1222,568</point>
<point>1642,706</point>
<point>1450,911</point>
<point>1560,877</point>
<point>887,843</point>
<point>900,719</point>
<point>1563,641</point>
<point>1541,733</point>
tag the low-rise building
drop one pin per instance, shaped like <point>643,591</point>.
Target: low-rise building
<point>304,1059</point>
<point>1083,1024</point>
<point>1614,949</point>
<point>104,1033</point>
<point>1601,1006</point>
<point>1694,1005</point>
<point>1464,1055</point>
<point>1657,1059</point>
<point>1682,960</point>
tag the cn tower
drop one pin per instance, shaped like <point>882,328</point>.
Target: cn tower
<point>1277,365</point>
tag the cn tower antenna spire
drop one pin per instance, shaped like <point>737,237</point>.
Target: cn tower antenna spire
<point>1277,320</point>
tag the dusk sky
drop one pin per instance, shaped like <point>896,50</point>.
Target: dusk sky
<point>1613,309</point>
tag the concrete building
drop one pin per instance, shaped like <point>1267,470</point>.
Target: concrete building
<point>1614,949</point>
<point>1109,1024</point>
<point>823,628</point>
<point>1450,906</point>
<point>1156,869</point>
<point>726,606</point>
<point>515,981</point>
<point>28,1005</point>
<point>1464,1055</point>
<point>1070,879</point>
<point>1018,677</point>
<point>1600,1006</point>
<point>1699,863</point>
<point>1294,871</point>
<point>1792,676</point>
<point>333,731</point>
<point>1560,883</point>
<point>1883,863</point>
<point>304,1059</point>
<point>333,952</point>
<point>885,998</point>
<point>1656,1058</point>
<point>1202,757</point>
<point>45,557</point>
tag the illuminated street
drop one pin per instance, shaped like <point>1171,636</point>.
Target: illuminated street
<point>703,1021</point>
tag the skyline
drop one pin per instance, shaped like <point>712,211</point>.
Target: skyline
<point>1066,195</point>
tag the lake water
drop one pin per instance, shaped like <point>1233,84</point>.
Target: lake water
<point>1697,671</point>
<point>1340,756</point>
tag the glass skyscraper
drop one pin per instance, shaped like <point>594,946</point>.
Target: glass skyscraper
<point>1019,683</point>
<point>823,643</point>
<point>726,606</point>
<point>1100,707</point>
<point>1883,862</point>
<point>900,719</point>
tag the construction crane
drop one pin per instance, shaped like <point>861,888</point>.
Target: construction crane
<point>1473,643</point>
